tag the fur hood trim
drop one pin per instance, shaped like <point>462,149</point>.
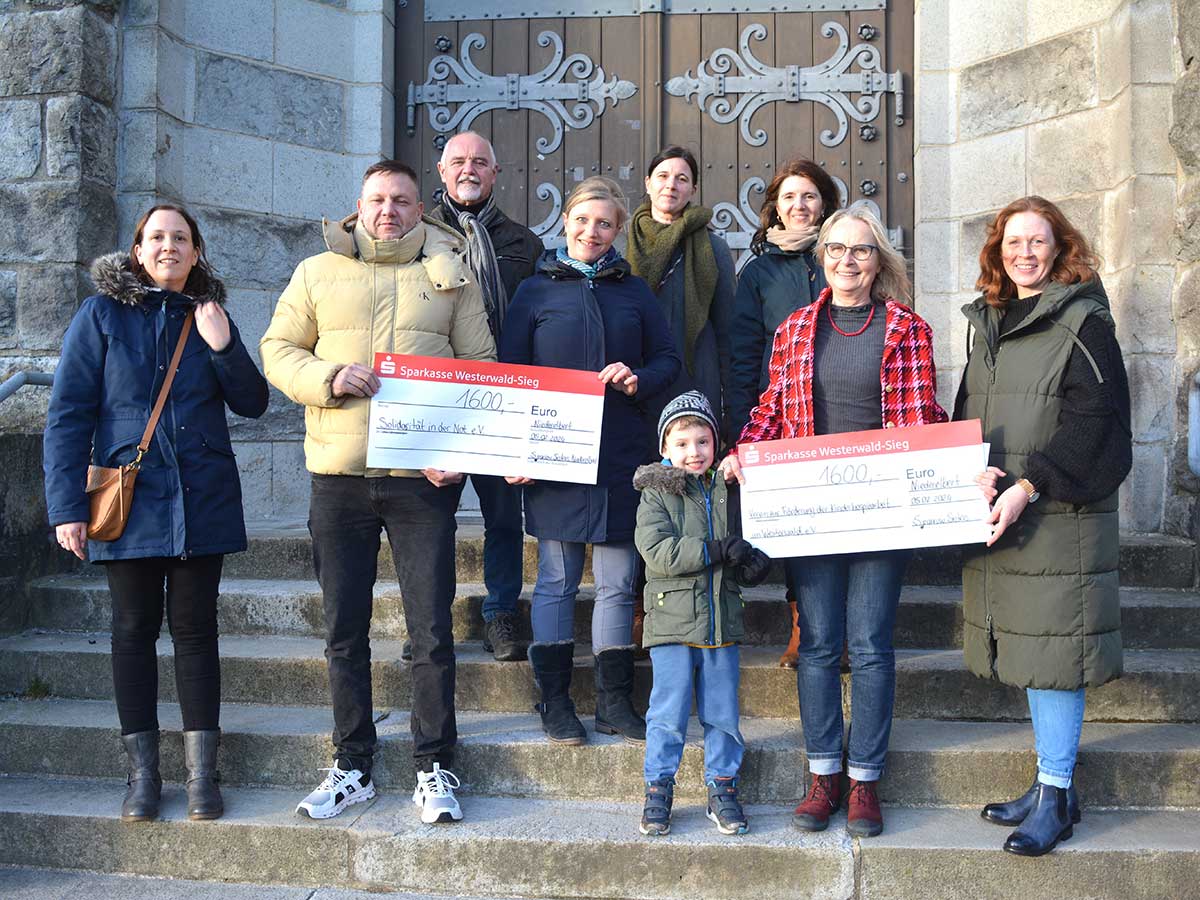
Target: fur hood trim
<point>665,478</point>
<point>112,276</point>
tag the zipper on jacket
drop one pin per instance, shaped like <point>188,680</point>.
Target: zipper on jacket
<point>167,349</point>
<point>712,599</point>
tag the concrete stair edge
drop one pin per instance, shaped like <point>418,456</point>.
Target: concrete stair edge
<point>929,616</point>
<point>283,549</point>
<point>565,849</point>
<point>1158,685</point>
<point>930,762</point>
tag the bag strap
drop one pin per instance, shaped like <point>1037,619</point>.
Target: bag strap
<point>148,434</point>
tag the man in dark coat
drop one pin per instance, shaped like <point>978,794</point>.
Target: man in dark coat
<point>501,253</point>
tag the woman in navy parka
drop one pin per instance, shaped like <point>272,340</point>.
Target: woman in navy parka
<point>187,505</point>
<point>583,309</point>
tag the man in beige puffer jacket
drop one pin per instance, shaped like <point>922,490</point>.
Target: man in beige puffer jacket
<point>392,281</point>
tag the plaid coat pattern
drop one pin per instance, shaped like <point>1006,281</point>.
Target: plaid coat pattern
<point>906,374</point>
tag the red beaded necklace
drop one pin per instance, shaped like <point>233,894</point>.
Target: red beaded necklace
<point>866,324</point>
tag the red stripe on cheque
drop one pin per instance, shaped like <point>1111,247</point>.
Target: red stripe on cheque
<point>862,443</point>
<point>486,374</point>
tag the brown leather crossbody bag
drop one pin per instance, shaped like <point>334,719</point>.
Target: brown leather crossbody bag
<point>109,490</point>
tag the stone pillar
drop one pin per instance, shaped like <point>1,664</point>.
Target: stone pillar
<point>1183,513</point>
<point>1073,103</point>
<point>57,177</point>
<point>260,116</point>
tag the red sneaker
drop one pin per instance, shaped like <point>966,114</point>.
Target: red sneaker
<point>824,797</point>
<point>864,819</point>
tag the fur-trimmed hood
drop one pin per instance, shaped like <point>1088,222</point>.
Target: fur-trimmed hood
<point>663,477</point>
<point>112,276</point>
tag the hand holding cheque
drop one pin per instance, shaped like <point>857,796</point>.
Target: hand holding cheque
<point>524,422</point>
<point>869,490</point>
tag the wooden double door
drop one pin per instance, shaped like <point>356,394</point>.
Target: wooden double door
<point>565,90</point>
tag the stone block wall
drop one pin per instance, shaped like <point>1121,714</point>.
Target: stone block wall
<point>1185,141</point>
<point>58,172</point>
<point>1074,102</point>
<point>260,116</point>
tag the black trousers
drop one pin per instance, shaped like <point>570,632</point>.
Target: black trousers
<point>346,514</point>
<point>138,588</point>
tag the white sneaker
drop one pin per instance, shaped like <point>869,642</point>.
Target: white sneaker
<point>435,796</point>
<point>339,790</point>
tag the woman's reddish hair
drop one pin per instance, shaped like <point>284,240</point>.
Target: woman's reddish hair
<point>1076,261</point>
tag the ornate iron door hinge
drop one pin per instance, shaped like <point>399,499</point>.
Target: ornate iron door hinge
<point>563,103</point>
<point>830,83</point>
<point>736,223</point>
<point>550,229</point>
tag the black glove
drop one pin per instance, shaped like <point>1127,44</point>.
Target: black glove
<point>730,550</point>
<point>754,570</point>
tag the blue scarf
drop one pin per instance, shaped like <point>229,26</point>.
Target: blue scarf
<point>589,270</point>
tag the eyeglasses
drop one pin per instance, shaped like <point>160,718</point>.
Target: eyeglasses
<point>861,252</point>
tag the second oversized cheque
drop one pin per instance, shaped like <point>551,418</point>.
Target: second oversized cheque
<point>888,489</point>
<point>485,418</point>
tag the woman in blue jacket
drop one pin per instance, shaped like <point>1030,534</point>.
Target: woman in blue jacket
<point>583,309</point>
<point>187,504</point>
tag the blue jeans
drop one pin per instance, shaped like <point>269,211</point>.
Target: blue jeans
<point>503,543</point>
<point>560,568</point>
<point>847,598</point>
<point>1057,724</point>
<point>715,674</point>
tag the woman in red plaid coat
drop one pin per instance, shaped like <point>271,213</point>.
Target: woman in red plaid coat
<point>857,359</point>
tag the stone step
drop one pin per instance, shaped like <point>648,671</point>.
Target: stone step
<point>56,884</point>
<point>929,616</point>
<point>561,848</point>
<point>929,763</point>
<point>283,550</point>
<point>1158,685</point>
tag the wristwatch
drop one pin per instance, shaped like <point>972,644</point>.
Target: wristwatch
<point>1027,486</point>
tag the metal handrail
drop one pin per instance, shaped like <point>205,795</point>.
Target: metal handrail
<point>18,381</point>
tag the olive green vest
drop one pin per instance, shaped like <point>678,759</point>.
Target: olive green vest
<point>1041,607</point>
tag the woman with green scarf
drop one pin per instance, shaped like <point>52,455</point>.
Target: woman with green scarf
<point>690,270</point>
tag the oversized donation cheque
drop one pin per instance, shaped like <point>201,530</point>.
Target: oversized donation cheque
<point>865,490</point>
<point>485,418</point>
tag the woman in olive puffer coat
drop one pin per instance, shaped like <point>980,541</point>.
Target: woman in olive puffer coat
<point>1041,606</point>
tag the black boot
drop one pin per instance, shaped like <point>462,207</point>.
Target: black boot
<point>1047,824</point>
<point>145,784</point>
<point>552,666</point>
<point>614,696</point>
<point>200,757</point>
<point>1013,812</point>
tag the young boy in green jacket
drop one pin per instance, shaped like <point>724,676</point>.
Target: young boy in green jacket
<point>687,524</point>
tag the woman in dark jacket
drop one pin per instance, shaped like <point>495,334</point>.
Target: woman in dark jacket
<point>690,270</point>
<point>187,503</point>
<point>783,276</point>
<point>584,310</point>
<point>1041,608</point>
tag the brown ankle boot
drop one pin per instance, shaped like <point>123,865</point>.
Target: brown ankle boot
<point>791,656</point>
<point>639,622</point>
<point>864,819</point>
<point>824,797</point>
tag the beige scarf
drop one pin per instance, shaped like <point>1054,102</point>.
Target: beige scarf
<point>793,240</point>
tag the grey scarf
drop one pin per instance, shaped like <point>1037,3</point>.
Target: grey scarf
<point>481,257</point>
